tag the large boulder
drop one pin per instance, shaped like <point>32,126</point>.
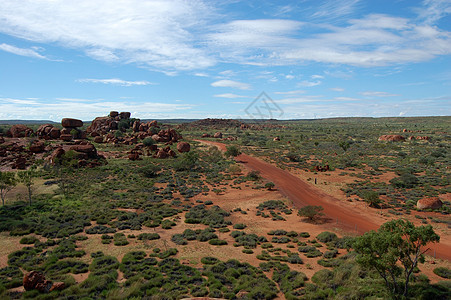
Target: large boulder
<point>429,203</point>
<point>37,146</point>
<point>183,147</point>
<point>31,279</point>
<point>125,115</point>
<point>71,123</point>
<point>19,131</point>
<point>89,149</point>
<point>218,135</point>
<point>391,138</point>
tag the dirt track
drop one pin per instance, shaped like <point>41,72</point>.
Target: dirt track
<point>302,194</point>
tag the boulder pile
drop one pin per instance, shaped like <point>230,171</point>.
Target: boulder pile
<point>36,281</point>
<point>19,131</point>
<point>48,132</point>
<point>103,125</point>
<point>70,129</point>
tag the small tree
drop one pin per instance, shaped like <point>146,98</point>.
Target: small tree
<point>395,250</point>
<point>26,178</point>
<point>270,185</point>
<point>372,198</point>
<point>7,183</point>
<point>232,151</point>
<point>311,212</point>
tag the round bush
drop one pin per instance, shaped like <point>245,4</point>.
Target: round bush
<point>326,236</point>
<point>209,260</point>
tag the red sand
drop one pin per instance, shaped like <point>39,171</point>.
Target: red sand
<point>302,194</point>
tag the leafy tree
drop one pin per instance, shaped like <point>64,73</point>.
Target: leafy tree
<point>270,185</point>
<point>7,183</point>
<point>394,251</point>
<point>311,212</point>
<point>232,151</point>
<point>372,198</point>
<point>27,179</point>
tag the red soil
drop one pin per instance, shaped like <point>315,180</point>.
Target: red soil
<point>302,194</point>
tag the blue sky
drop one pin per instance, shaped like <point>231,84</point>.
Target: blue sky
<point>199,59</point>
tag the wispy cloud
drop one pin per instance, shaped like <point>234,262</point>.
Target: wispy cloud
<point>378,94</point>
<point>307,83</point>
<point>21,51</point>
<point>177,35</point>
<point>116,81</point>
<point>157,34</point>
<point>290,92</point>
<point>337,89</point>
<point>230,96</point>
<point>231,84</point>
<point>86,109</point>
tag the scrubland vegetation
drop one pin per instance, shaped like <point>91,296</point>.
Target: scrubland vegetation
<point>121,230</point>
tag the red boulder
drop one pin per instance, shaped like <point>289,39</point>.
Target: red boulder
<point>183,147</point>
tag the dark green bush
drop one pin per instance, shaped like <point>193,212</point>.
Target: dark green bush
<point>443,272</point>
<point>325,237</point>
<point>29,240</point>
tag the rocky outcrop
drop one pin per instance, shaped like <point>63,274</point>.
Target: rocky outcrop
<point>183,147</point>
<point>103,125</point>
<point>218,135</point>
<point>276,139</point>
<point>70,128</point>
<point>48,132</point>
<point>19,131</point>
<point>167,135</point>
<point>391,138</point>
<point>429,203</point>
<point>36,281</point>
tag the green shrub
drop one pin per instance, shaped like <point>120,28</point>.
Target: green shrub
<point>239,226</point>
<point>148,236</point>
<point>325,237</point>
<point>443,272</point>
<point>323,276</point>
<point>330,254</point>
<point>148,141</point>
<point>209,260</point>
<point>120,239</point>
<point>217,242</point>
<point>29,240</point>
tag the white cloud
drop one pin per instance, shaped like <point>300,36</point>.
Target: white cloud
<point>378,94</point>
<point>199,74</point>
<point>231,84</point>
<point>21,51</point>
<point>289,76</point>
<point>230,96</point>
<point>307,83</point>
<point>317,77</point>
<point>290,92</point>
<point>337,89</point>
<point>116,81</point>
<point>158,34</point>
<point>85,109</point>
<point>171,36</point>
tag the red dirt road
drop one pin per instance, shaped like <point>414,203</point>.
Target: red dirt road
<point>302,194</point>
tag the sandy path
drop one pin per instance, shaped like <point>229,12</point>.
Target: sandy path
<point>302,194</point>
